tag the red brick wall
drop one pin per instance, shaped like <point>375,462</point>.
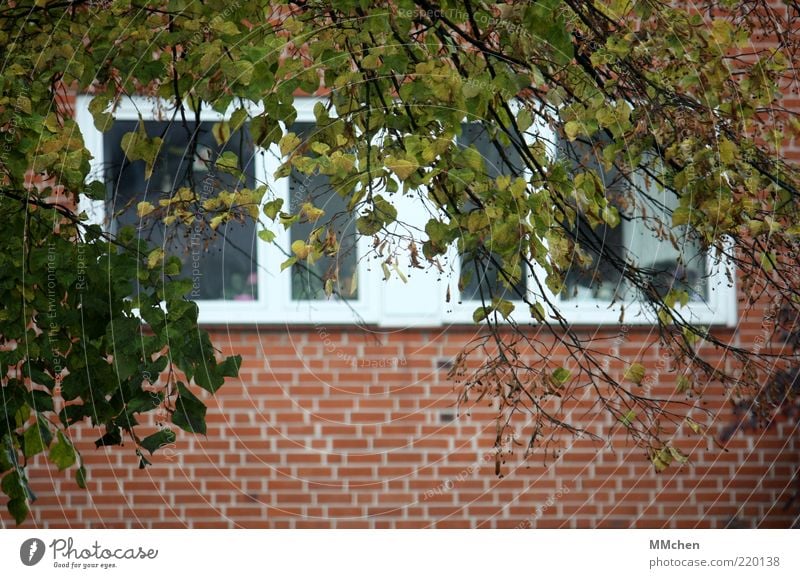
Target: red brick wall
<point>307,439</point>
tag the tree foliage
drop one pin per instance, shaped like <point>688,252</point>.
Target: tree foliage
<point>685,104</point>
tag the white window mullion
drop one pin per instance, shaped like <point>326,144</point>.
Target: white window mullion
<point>93,140</point>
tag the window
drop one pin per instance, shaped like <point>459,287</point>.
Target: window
<point>670,257</point>
<point>339,271</point>
<point>479,278</point>
<point>237,278</point>
<point>221,263</point>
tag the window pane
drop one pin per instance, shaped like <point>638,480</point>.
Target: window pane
<point>480,280</point>
<point>680,266</point>
<point>309,279</point>
<point>598,279</point>
<point>220,263</point>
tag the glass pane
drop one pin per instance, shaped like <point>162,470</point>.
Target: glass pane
<point>597,279</point>
<point>221,263</point>
<point>679,266</point>
<point>481,279</point>
<point>309,279</point>
<point>475,134</point>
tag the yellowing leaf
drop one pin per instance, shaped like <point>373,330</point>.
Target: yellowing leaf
<point>217,221</point>
<point>680,216</point>
<point>224,26</point>
<point>694,426</point>
<point>635,373</point>
<point>311,212</point>
<point>537,311</point>
<point>155,258</point>
<point>727,151</point>
<point>288,143</point>
<point>300,249</point>
<point>571,129</point>
<point>401,167</point>
<point>320,148</point>
<point>504,306</point>
<point>400,274</point>
<point>371,62</point>
<point>143,209</point>
<point>221,132</point>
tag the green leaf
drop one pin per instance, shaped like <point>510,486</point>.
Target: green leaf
<point>12,485</point>
<point>561,375</point>
<point>524,119</point>
<point>158,440</point>
<point>230,367</point>
<point>272,208</point>
<point>8,454</point>
<point>138,146</point>
<point>266,235</point>
<point>238,119</point>
<point>96,191</point>
<point>504,306</point>
<point>112,437</point>
<point>627,419</point>
<point>288,263</point>
<point>537,311</point>
<point>176,289</point>
<point>62,453</point>
<point>384,210</point>
<point>36,439</point>
<point>480,314</point>
<point>545,22</point>
<point>190,412</point>
<point>368,225</point>
<point>208,377</point>
<point>80,477</point>
<point>265,130</point>
<point>18,508</point>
